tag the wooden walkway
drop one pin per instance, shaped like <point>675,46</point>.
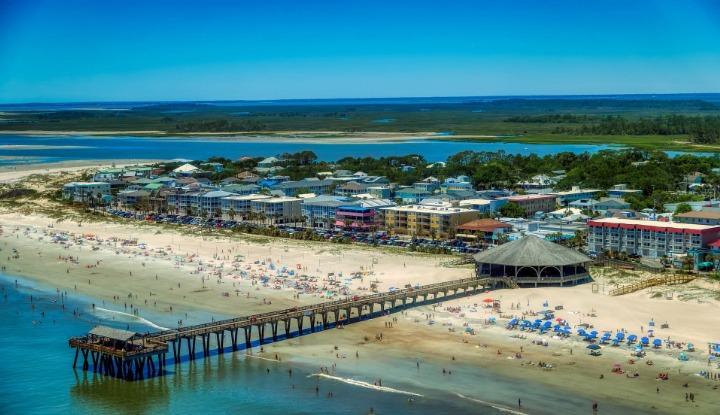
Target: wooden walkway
<point>670,279</point>
<point>146,354</point>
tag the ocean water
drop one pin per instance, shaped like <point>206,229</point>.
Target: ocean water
<point>46,149</point>
<point>36,376</point>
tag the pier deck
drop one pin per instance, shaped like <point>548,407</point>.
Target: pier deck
<point>131,356</point>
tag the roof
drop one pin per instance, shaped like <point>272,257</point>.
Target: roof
<point>327,200</point>
<point>111,333</point>
<point>186,168</point>
<point>429,209</point>
<point>218,193</point>
<point>531,251</point>
<point>247,197</point>
<point>522,198</point>
<point>484,225</point>
<point>651,223</point>
<point>700,214</point>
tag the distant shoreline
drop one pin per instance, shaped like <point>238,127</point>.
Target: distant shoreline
<point>660,143</point>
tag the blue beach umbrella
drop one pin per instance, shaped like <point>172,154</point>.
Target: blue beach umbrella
<point>593,347</point>
<point>645,341</point>
<point>657,342</point>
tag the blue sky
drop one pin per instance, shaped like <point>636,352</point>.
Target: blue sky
<point>70,50</point>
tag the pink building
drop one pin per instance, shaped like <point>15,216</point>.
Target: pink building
<point>647,238</point>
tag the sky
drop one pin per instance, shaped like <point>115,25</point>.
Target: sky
<point>72,50</point>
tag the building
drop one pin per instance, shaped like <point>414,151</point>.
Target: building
<point>646,238</point>
<point>319,212</point>
<point>415,220</point>
<point>134,199</point>
<point>85,191</point>
<point>610,203</point>
<point>211,202</point>
<point>485,230</point>
<point>186,169</point>
<point>411,194</point>
<point>484,206</point>
<point>532,204</point>
<point>381,192</point>
<point>239,206</point>
<point>293,188</point>
<point>268,162</point>
<point>576,193</point>
<point>456,183</point>
<point>532,262</point>
<point>241,189</point>
<point>702,217</point>
<point>356,217</point>
<point>621,190</point>
<point>351,188</point>
<point>538,184</point>
<point>277,210</point>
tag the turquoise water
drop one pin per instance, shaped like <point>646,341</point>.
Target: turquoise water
<point>36,375</point>
<point>63,148</point>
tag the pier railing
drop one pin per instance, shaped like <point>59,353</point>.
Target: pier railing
<point>130,364</point>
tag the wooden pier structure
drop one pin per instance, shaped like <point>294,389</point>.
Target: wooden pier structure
<point>131,356</point>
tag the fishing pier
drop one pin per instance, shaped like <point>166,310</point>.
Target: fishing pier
<point>132,356</point>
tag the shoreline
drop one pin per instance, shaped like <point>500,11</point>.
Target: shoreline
<point>662,143</point>
<point>178,286</point>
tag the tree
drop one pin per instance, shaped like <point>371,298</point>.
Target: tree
<point>682,208</point>
<point>512,210</point>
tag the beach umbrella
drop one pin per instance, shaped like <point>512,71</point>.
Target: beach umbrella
<point>616,342</point>
<point>632,338</point>
<point>488,300</point>
<point>559,319</point>
<point>657,342</point>
<point>644,340</point>
<point>593,347</point>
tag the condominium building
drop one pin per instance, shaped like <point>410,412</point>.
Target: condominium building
<point>319,212</point>
<point>238,206</point>
<point>532,204</point>
<point>277,209</point>
<point>416,220</point>
<point>84,191</point>
<point>646,238</point>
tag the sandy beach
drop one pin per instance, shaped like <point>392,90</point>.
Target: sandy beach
<point>193,275</point>
<point>137,268</point>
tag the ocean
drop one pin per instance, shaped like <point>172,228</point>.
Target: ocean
<point>36,376</point>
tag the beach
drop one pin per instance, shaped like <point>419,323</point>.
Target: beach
<point>144,269</point>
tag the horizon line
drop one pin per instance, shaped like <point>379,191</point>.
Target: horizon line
<point>359,98</point>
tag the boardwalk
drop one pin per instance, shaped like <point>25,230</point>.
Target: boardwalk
<point>668,279</point>
<point>131,356</point>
